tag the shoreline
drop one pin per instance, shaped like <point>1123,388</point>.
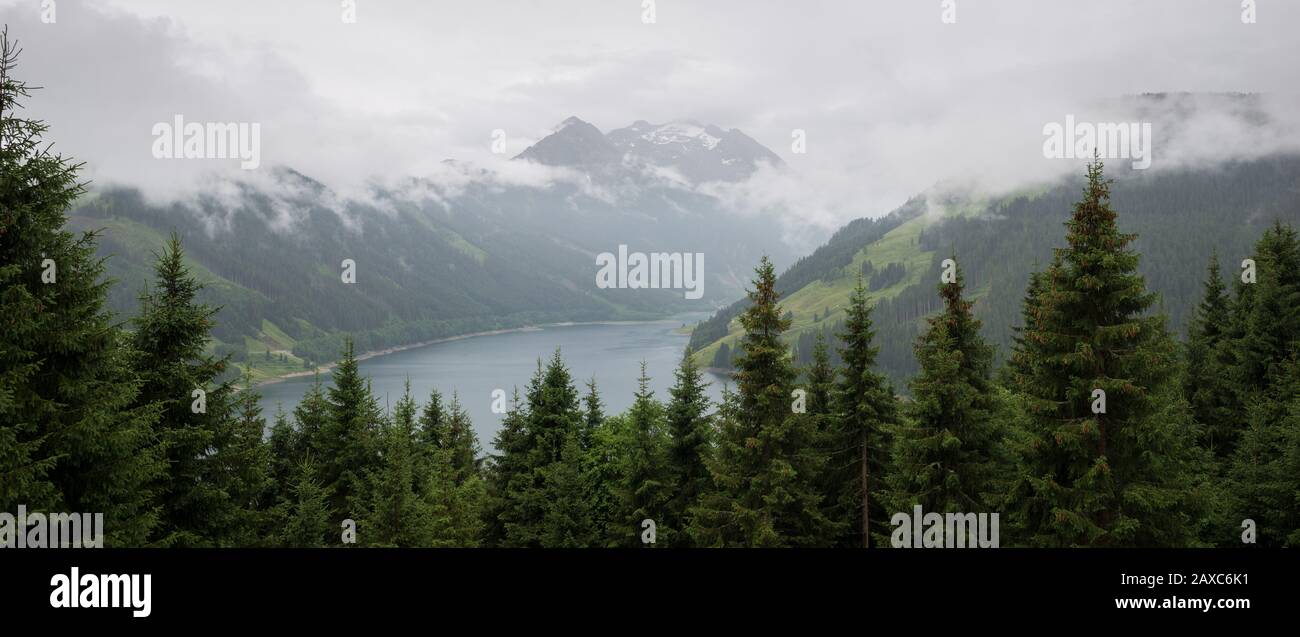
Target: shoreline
<point>447,339</point>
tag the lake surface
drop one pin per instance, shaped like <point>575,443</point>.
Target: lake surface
<point>475,366</point>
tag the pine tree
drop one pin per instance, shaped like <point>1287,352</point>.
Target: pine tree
<point>73,437</point>
<point>1206,382</point>
<point>643,484</point>
<point>503,470</point>
<point>307,518</point>
<point>284,461</point>
<point>243,460</point>
<point>309,418</point>
<point>690,443</point>
<point>600,439</point>
<point>945,453</point>
<point>1117,476</point>
<point>566,520</point>
<point>433,422</point>
<point>767,462</point>
<point>396,515</point>
<point>346,441</point>
<point>455,508</point>
<point>1265,347</point>
<point>461,443</point>
<point>859,444</point>
<point>170,340</point>
<point>820,379</point>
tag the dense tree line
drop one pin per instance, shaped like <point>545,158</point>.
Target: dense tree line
<point>1099,429</point>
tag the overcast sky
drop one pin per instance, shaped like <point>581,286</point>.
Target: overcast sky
<point>893,100</point>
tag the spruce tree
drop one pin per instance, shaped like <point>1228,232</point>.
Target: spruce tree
<point>767,463</point>
<point>461,442</point>
<point>396,515</point>
<point>1206,381</point>
<point>346,442</point>
<point>73,436</point>
<point>503,469</point>
<point>858,444</point>
<point>455,508</point>
<point>820,379</point>
<point>307,512</point>
<point>170,341</point>
<point>1265,348</point>
<point>690,443</point>
<point>243,460</point>
<point>945,451</point>
<point>1094,476</point>
<point>643,488</point>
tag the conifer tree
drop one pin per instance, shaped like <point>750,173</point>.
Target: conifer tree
<point>396,515</point>
<point>859,444</point>
<point>1206,378</point>
<point>346,442</point>
<point>170,341</point>
<point>820,379</point>
<point>243,462</point>
<point>690,443</point>
<point>282,447</point>
<point>503,470</point>
<point>455,508</point>
<point>945,453</point>
<point>766,468</point>
<point>310,417</point>
<point>1091,474</point>
<point>73,436</point>
<point>566,513</point>
<point>1263,471</point>
<point>643,484</point>
<point>307,512</point>
<point>461,442</point>
<point>600,441</point>
<point>433,422</point>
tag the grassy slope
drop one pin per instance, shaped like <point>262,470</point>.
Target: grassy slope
<point>809,302</point>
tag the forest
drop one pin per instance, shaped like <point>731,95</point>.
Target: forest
<point>1100,427</point>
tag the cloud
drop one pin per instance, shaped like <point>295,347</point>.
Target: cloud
<point>893,100</point>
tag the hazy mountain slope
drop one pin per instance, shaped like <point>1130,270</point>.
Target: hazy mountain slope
<point>1180,217</point>
<point>437,258</point>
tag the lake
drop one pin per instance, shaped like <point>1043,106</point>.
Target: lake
<point>475,366</point>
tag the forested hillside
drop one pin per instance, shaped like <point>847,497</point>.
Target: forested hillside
<point>431,260</point>
<point>1180,217</point>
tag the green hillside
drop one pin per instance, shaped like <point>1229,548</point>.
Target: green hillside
<point>1180,217</point>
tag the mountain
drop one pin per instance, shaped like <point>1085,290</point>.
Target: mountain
<point>697,152</point>
<point>464,251</point>
<point>573,143</point>
<point>1180,217</point>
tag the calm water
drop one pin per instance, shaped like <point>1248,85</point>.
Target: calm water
<point>475,366</point>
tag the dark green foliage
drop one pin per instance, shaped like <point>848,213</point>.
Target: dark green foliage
<point>1121,477</point>
<point>170,338</point>
<point>346,442</point>
<point>395,514</point>
<point>858,441</point>
<point>1207,382</point>
<point>945,454</point>
<point>644,477</point>
<point>766,468</point>
<point>306,511</point>
<point>690,445</point>
<point>73,436</point>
